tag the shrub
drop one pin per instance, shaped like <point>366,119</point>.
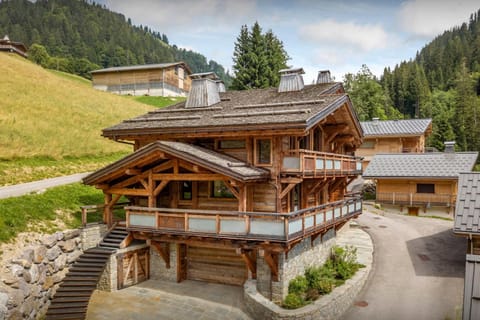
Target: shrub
<point>298,285</point>
<point>293,301</point>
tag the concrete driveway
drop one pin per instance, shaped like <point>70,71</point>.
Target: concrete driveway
<point>418,270</point>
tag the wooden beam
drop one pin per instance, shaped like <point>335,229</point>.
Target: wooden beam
<point>188,176</point>
<point>272,261</point>
<point>127,241</point>
<point>287,190</point>
<point>163,166</point>
<point>144,184</point>
<point>291,180</point>
<point>163,251</point>
<point>250,259</point>
<point>133,171</point>
<point>129,192</point>
<point>231,188</point>
<point>160,187</point>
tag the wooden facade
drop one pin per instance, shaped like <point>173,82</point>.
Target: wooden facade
<point>248,178</point>
<point>168,79</point>
<point>396,136</point>
<point>12,46</point>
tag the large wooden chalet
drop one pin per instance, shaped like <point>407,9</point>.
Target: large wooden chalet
<point>230,186</point>
<point>162,79</point>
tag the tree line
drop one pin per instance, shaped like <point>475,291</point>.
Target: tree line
<point>442,82</point>
<point>79,36</point>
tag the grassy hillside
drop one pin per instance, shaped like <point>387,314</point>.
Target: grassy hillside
<point>46,114</point>
<point>50,122</point>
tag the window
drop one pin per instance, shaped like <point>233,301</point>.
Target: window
<point>263,151</point>
<point>186,190</point>
<point>425,188</point>
<point>220,190</point>
<point>368,145</point>
<point>231,144</point>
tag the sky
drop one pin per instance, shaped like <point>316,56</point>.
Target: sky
<point>335,35</point>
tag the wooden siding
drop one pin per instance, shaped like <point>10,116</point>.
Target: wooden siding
<point>264,198</point>
<point>215,265</point>
<point>133,267</point>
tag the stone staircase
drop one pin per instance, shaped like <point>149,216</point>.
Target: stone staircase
<point>72,296</point>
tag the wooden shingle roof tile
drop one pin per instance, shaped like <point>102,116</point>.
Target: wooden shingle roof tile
<point>467,210</point>
<point>396,127</point>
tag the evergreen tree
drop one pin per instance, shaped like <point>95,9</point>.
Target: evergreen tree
<point>257,59</point>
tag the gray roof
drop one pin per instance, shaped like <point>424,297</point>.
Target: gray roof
<point>212,160</point>
<point>242,111</point>
<point>467,210</point>
<point>412,127</point>
<point>141,67</point>
<point>414,165</point>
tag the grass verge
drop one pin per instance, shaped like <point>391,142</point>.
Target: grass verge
<point>158,102</point>
<point>21,170</point>
<point>56,209</point>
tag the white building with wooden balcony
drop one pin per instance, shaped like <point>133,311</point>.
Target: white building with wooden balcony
<point>238,185</point>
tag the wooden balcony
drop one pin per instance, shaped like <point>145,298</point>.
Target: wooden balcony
<point>416,199</point>
<point>320,164</point>
<point>256,226</point>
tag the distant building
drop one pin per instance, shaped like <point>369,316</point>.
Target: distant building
<point>163,79</point>
<point>11,46</point>
<point>393,136</point>
<point>419,179</point>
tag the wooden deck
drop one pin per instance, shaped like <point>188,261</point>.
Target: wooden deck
<point>314,164</point>
<point>256,226</point>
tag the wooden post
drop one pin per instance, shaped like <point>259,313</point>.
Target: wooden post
<point>107,210</point>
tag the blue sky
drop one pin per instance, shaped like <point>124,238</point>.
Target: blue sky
<point>338,35</point>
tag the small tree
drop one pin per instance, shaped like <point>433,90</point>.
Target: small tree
<point>38,54</point>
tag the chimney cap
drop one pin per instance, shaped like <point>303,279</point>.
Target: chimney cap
<point>205,75</point>
<point>449,143</point>
<point>375,119</point>
<point>292,71</point>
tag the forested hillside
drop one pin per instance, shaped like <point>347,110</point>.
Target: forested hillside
<point>80,36</point>
<point>442,82</point>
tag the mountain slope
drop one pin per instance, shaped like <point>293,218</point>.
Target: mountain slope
<point>82,33</point>
<point>43,113</point>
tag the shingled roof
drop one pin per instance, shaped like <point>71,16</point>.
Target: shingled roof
<point>467,210</point>
<point>411,127</point>
<point>243,111</point>
<point>414,165</point>
<point>209,159</point>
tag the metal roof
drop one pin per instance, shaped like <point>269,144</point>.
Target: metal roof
<point>467,210</point>
<point>377,128</point>
<point>209,159</point>
<point>424,165</point>
<point>142,67</point>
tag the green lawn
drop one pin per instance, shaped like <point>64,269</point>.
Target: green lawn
<point>158,102</point>
<point>55,209</point>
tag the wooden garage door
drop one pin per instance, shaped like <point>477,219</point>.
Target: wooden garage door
<point>215,265</point>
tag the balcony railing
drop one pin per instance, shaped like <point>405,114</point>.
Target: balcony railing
<point>280,227</point>
<point>318,164</point>
<point>411,199</point>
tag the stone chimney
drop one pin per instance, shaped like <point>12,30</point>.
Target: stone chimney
<point>449,146</point>
<point>204,91</point>
<point>324,77</point>
<point>375,121</point>
<point>291,80</point>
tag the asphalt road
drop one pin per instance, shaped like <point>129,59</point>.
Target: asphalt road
<point>35,186</point>
<point>418,270</point>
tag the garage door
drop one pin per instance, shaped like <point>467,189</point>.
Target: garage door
<point>215,265</point>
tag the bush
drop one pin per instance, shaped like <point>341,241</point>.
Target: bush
<point>298,285</point>
<point>293,301</point>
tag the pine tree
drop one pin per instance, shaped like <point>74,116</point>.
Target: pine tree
<point>257,59</point>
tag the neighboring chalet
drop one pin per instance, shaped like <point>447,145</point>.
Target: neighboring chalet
<point>238,185</point>
<point>467,224</point>
<point>164,79</point>
<point>419,180</point>
<point>11,46</point>
<point>393,136</point>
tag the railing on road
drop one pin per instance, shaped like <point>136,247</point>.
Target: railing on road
<point>317,164</point>
<point>282,227</point>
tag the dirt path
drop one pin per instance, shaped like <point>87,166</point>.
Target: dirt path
<point>418,270</point>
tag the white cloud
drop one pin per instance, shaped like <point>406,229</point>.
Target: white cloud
<point>429,18</point>
<point>364,37</point>
<point>186,15</point>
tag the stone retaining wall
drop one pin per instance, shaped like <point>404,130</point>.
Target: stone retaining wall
<point>30,280</point>
<point>331,306</point>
